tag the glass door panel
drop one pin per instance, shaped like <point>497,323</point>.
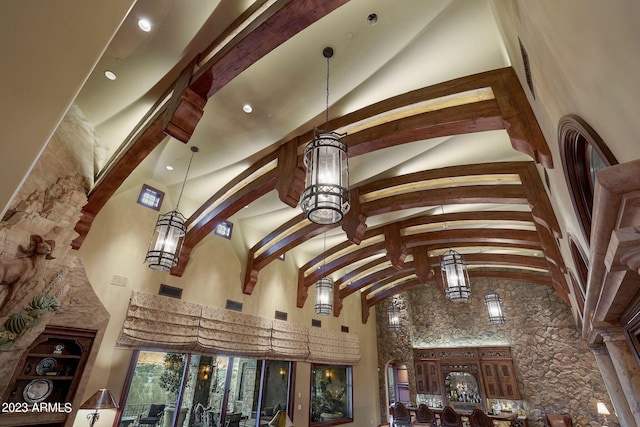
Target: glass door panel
<point>275,396</point>
<point>217,391</point>
<point>204,391</point>
<point>154,387</point>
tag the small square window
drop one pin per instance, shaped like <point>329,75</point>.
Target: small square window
<point>224,229</point>
<point>150,197</point>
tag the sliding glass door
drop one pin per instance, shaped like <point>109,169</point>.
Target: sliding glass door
<point>210,390</point>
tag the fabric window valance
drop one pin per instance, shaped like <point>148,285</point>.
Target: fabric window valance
<point>155,322</point>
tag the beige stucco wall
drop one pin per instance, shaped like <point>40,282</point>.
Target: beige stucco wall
<point>116,245</point>
<point>584,60</point>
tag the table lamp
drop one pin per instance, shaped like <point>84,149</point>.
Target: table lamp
<point>281,419</point>
<point>602,410</point>
<point>101,399</point>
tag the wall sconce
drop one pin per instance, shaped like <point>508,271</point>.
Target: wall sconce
<point>283,373</point>
<point>602,410</point>
<point>205,370</point>
<point>329,375</point>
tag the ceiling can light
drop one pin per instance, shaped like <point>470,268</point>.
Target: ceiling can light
<point>325,199</point>
<point>110,75</point>
<point>144,24</point>
<point>455,276</point>
<point>168,236</point>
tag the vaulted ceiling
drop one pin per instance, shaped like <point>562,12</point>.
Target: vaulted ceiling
<point>444,148</point>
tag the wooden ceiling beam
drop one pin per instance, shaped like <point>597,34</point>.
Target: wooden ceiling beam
<point>192,89</point>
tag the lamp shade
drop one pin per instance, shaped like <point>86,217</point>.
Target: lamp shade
<point>455,276</point>
<point>101,399</point>
<point>281,419</point>
<point>494,307</point>
<point>325,198</point>
<point>324,296</point>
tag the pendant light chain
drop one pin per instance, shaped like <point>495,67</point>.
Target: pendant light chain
<point>326,111</point>
<point>194,150</point>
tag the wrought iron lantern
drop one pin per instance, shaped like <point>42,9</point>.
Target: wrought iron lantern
<point>324,296</point>
<point>168,236</point>
<point>393,312</point>
<point>455,276</point>
<point>494,307</point>
<point>325,199</point>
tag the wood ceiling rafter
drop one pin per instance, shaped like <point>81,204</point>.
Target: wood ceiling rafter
<point>179,116</point>
<point>459,119</point>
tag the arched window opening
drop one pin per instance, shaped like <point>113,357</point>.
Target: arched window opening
<point>584,153</point>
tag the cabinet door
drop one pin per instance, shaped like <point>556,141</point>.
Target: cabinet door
<point>421,380</point>
<point>432,377</point>
<point>508,382</point>
<point>500,380</point>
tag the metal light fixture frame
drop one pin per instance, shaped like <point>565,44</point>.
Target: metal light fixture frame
<point>494,305</point>
<point>325,199</point>
<point>166,243</point>
<point>324,296</point>
<point>393,313</point>
<point>494,308</point>
<point>324,288</point>
<point>455,276</point>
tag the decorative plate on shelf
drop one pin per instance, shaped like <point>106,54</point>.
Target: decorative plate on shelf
<point>47,364</point>
<point>37,390</point>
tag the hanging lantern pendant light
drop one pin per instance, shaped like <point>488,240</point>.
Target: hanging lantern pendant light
<point>455,276</point>
<point>494,305</point>
<point>393,312</point>
<point>168,236</point>
<point>325,198</point>
<point>324,288</point>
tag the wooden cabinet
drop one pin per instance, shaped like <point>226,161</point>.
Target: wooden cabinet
<point>499,380</point>
<point>498,373</point>
<point>49,373</point>
<point>427,378</point>
<point>492,367</point>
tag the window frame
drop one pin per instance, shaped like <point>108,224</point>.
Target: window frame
<point>577,138</point>
<point>336,371</point>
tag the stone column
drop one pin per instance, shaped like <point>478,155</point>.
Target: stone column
<point>610,377</point>
<point>626,367</point>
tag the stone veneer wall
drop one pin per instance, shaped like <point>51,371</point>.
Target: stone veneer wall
<point>556,371</point>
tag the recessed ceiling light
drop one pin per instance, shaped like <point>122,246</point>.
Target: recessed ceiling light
<point>145,25</point>
<point>372,18</point>
<point>247,108</point>
<point>110,75</point>
<point>169,167</point>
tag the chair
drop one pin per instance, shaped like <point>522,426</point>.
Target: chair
<point>558,420</point>
<point>480,419</point>
<point>425,416</point>
<point>153,416</point>
<point>233,419</point>
<point>401,415</point>
<point>450,418</point>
